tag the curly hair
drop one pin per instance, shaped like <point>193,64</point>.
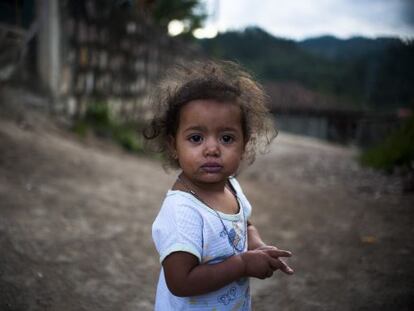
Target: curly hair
<point>222,81</point>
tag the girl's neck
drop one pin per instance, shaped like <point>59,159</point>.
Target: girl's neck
<point>204,188</point>
<point>217,197</point>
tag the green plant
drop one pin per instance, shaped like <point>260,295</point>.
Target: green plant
<point>80,127</point>
<point>397,150</point>
<point>128,139</point>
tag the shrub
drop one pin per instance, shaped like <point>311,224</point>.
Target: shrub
<point>397,150</point>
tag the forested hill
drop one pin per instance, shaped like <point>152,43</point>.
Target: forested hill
<point>375,73</point>
<point>349,49</point>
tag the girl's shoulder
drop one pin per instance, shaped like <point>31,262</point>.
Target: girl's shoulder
<point>179,200</point>
<point>235,185</point>
<point>240,194</point>
<point>178,196</point>
<point>178,207</point>
<point>233,181</point>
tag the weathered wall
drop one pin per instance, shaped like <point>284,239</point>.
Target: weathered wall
<point>93,51</point>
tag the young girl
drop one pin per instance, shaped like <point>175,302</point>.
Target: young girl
<point>210,120</point>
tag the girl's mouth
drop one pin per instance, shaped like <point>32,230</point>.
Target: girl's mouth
<point>211,167</point>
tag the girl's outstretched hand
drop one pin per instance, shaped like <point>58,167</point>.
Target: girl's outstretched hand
<point>275,253</point>
<point>261,263</point>
<point>258,264</point>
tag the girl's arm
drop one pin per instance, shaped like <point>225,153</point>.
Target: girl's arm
<point>185,276</point>
<point>254,240</point>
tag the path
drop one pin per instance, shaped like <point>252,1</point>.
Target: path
<point>75,223</point>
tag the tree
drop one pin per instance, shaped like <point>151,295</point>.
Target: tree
<point>191,12</point>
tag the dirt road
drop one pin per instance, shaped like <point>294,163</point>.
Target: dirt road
<point>75,222</point>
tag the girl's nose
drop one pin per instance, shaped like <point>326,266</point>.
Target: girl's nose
<point>211,148</point>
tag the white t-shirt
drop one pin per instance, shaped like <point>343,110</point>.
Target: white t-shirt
<point>186,224</point>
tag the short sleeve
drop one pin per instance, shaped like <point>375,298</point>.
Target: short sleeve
<point>178,227</point>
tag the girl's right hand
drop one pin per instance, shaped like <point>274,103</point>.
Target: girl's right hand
<point>276,253</point>
<point>261,263</point>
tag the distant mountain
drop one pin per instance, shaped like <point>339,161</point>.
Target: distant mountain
<point>251,46</point>
<point>346,49</point>
<point>268,57</point>
<point>366,72</point>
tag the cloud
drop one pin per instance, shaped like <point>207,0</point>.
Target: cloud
<point>302,18</point>
<point>408,12</point>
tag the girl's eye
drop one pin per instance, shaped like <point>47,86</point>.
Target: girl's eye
<point>195,138</point>
<point>227,139</point>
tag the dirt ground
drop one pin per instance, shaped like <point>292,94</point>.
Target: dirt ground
<point>76,215</point>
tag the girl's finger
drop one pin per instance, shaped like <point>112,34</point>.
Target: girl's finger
<point>285,268</point>
<point>281,265</point>
<point>267,247</point>
<point>275,253</point>
<point>274,263</point>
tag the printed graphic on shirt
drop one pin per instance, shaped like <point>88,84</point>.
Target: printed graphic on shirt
<point>228,297</point>
<point>235,236</point>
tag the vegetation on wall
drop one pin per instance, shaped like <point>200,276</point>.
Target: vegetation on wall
<point>99,121</point>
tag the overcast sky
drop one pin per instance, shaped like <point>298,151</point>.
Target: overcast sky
<point>298,19</point>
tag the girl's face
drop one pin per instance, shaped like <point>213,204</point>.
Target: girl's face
<point>209,142</point>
